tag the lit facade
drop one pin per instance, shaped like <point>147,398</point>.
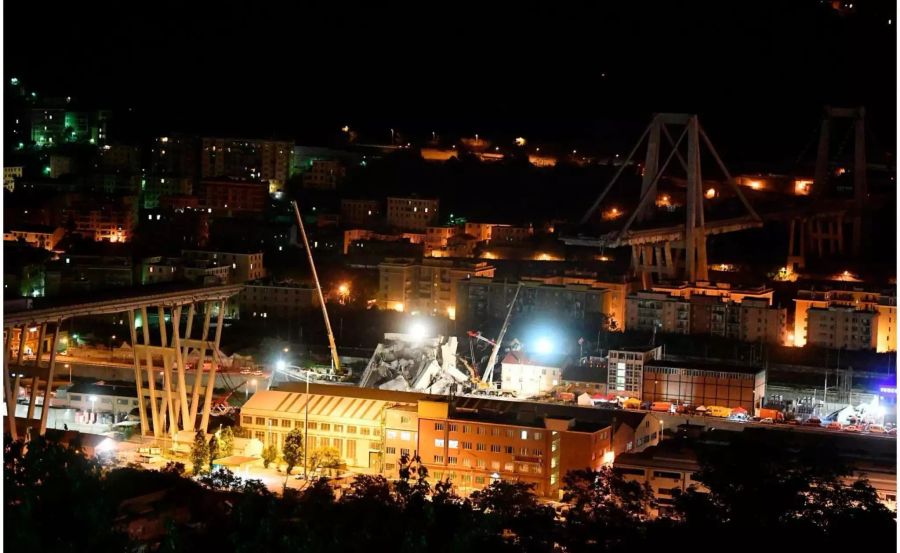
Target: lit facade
<point>235,196</point>
<point>10,174</point>
<point>839,327</point>
<point>246,158</point>
<point>239,267</point>
<point>626,369</point>
<point>884,303</point>
<point>426,286</point>
<point>37,236</point>
<point>436,238</point>
<point>703,384</point>
<point>412,213</point>
<point>527,377</point>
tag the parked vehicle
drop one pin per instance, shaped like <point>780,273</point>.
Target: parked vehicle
<point>834,425</point>
<point>738,417</point>
<point>851,428</point>
<point>767,420</point>
<point>813,421</point>
<point>773,414</point>
<point>793,422</point>
<point>719,411</point>
<point>662,407</point>
<point>876,429</point>
<point>631,403</point>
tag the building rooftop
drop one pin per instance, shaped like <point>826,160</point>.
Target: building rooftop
<point>701,366</point>
<point>101,388</point>
<point>26,227</point>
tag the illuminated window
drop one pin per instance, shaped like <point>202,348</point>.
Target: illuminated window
<point>438,442</point>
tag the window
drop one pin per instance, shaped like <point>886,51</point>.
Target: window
<point>510,433</point>
<point>495,431</point>
<point>404,451</point>
<point>389,466</point>
<point>479,479</point>
<point>466,445</point>
<point>326,426</point>
<point>246,419</point>
<point>480,463</point>
<point>390,450</point>
<point>479,430</point>
<point>523,451</point>
<point>495,465</point>
<point>537,452</point>
<point>392,434</point>
<point>364,431</point>
<point>509,449</point>
<point>313,425</point>
<point>261,436</point>
<point>285,423</point>
<point>324,442</point>
<point>451,460</point>
<point>663,474</point>
<point>351,430</point>
<point>524,434</point>
<point>260,421</point>
<point>466,429</point>
<point>351,449</point>
<point>453,427</point>
<point>467,462</point>
<point>495,448</point>
<point>508,467</point>
<point>480,447</point>
<point>453,444</point>
<point>538,435</point>
<point>339,428</point>
<point>339,445</point>
<point>405,436</point>
<point>633,472</point>
<point>438,426</point>
<point>438,458</point>
<point>438,442</point>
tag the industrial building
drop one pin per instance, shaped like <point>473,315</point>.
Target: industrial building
<point>695,384</point>
<point>625,369</point>
<point>471,441</point>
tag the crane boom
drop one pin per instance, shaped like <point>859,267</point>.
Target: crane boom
<point>492,360</point>
<point>334,355</point>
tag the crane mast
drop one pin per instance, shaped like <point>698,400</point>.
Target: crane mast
<point>334,355</point>
<point>492,360</point>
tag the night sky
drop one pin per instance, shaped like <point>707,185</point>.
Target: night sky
<point>758,73</point>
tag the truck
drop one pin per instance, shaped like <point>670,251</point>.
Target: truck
<point>631,403</point>
<point>661,406</point>
<point>773,414</point>
<point>719,411</point>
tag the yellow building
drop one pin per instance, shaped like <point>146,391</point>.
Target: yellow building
<point>859,299</point>
<point>361,423</point>
<point>428,286</point>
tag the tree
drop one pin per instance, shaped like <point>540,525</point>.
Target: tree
<point>223,480</point>
<point>292,452</point>
<point>412,488</point>
<point>269,454</point>
<point>226,441</point>
<point>512,509</point>
<point>199,452</point>
<point>326,458</point>
<point>605,508</point>
<point>213,451</point>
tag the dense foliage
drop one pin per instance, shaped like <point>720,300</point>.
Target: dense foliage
<point>755,496</point>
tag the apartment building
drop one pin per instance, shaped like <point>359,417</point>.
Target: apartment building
<point>856,297</point>
<point>529,377</point>
<point>38,236</point>
<point>425,286</point>
<point>839,327</point>
<point>436,238</point>
<point>276,299</point>
<point>412,213</point>
<point>324,174</point>
<point>246,158</point>
<point>236,267</point>
<point>660,311</point>
<point>359,212</point>
<point>481,298</point>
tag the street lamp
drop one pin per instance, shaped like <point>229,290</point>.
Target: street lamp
<point>543,345</point>
<point>282,365</point>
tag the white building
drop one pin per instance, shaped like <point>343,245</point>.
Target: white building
<point>626,369</point>
<point>526,378</point>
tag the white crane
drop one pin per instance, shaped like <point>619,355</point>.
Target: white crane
<point>492,360</point>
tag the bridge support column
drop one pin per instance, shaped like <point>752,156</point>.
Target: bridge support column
<point>51,371</point>
<point>38,353</point>
<point>138,374</point>
<point>151,377</point>
<point>211,379</point>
